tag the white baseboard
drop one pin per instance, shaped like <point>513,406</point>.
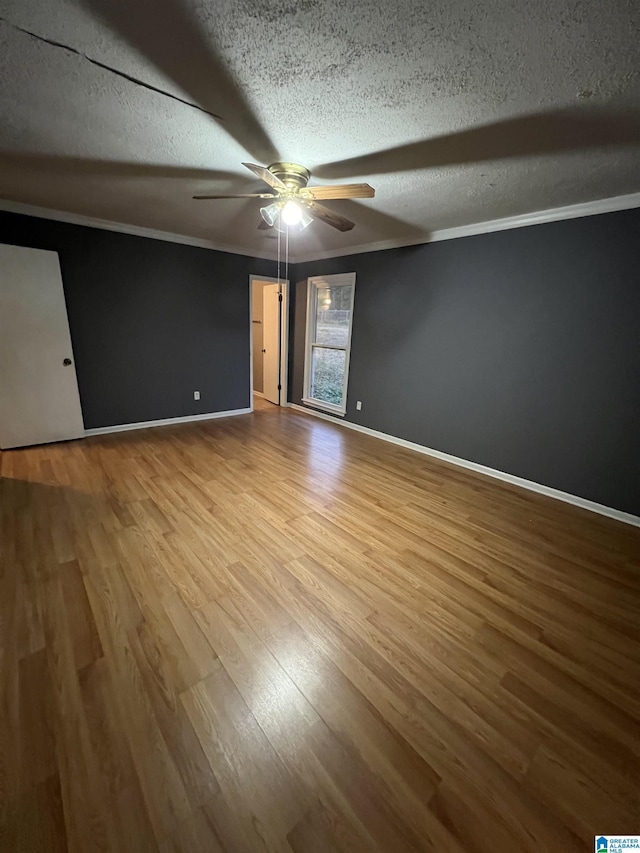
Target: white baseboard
<point>592,506</point>
<point>258,394</point>
<point>187,419</point>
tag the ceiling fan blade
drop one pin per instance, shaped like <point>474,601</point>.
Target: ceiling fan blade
<point>341,191</point>
<point>523,136</point>
<point>236,195</point>
<point>168,33</point>
<point>266,176</point>
<point>319,211</point>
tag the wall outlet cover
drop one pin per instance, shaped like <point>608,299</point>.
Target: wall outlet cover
<point>196,395</point>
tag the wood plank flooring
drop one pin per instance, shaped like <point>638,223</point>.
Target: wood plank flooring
<point>268,633</point>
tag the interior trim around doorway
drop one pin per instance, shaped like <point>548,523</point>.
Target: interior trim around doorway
<point>284,337</point>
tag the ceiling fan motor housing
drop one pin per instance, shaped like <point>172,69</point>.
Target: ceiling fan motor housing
<point>295,177</point>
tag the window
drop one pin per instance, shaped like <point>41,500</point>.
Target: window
<point>329,321</point>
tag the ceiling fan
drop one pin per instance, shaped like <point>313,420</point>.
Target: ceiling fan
<point>295,204</point>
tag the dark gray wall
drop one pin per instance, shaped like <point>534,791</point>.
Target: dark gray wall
<point>150,321</point>
<point>519,350</point>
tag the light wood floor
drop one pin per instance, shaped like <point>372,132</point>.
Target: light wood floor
<point>268,633</point>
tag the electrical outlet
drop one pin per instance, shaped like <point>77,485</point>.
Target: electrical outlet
<point>359,406</point>
<point>196,395</point>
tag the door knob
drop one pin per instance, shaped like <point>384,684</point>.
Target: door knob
<point>264,350</point>
<point>67,362</point>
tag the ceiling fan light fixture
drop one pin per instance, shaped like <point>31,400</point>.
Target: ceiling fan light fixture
<point>291,213</point>
<point>296,218</point>
<point>270,213</point>
<point>285,228</point>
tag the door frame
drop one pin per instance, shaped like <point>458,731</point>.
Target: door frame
<point>284,335</point>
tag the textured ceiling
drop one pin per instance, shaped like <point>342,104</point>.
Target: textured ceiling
<point>457,112</point>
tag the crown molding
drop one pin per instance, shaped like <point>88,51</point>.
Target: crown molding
<point>123,228</point>
<point>522,220</point>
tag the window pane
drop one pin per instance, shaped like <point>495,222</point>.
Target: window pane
<point>333,314</point>
<point>327,375</point>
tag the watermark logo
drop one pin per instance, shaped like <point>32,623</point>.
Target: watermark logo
<point>616,843</point>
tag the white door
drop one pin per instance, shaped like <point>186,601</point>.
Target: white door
<point>271,342</point>
<point>39,400</point>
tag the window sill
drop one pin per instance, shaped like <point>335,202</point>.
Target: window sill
<point>325,407</point>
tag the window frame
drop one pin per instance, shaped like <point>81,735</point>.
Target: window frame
<point>314,284</point>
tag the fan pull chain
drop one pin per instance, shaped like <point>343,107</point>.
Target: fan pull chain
<point>286,257</point>
<point>278,257</point>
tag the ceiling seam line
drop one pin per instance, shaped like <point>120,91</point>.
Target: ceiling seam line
<point>97,63</point>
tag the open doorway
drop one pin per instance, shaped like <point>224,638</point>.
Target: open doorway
<point>269,339</point>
